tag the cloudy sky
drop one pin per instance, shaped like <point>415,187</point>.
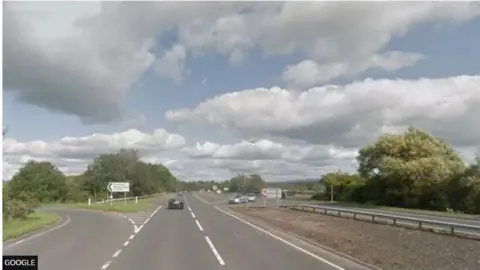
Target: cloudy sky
<point>287,90</point>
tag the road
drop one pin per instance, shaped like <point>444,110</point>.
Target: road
<point>198,237</point>
<point>202,237</point>
<point>82,241</point>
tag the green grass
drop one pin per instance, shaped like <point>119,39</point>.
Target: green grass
<point>405,210</point>
<point>38,220</point>
<point>120,206</point>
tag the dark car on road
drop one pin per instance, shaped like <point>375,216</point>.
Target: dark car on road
<point>175,203</point>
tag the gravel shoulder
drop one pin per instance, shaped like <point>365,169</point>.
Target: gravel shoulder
<point>387,247</point>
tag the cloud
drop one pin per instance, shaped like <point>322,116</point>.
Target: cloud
<point>309,73</point>
<point>269,150</point>
<point>348,115</point>
<point>81,59</point>
<point>172,64</point>
<point>72,154</point>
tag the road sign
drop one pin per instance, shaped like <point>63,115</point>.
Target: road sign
<point>119,187</point>
<point>264,192</point>
<point>215,187</point>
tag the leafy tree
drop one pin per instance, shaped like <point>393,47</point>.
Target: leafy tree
<point>38,181</point>
<point>409,170</point>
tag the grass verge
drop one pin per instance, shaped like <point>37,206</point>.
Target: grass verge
<point>38,220</point>
<point>120,206</point>
<point>403,210</point>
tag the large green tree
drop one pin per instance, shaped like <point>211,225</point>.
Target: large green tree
<point>40,181</point>
<point>409,170</point>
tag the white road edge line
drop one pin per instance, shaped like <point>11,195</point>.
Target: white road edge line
<point>214,250</point>
<point>39,234</point>
<point>116,253</point>
<point>106,265</point>
<point>193,215</point>
<point>204,201</point>
<point>199,226</point>
<point>282,240</point>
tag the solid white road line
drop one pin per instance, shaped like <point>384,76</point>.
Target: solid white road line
<point>199,226</point>
<point>214,250</point>
<point>39,234</point>
<point>282,240</point>
<point>202,200</point>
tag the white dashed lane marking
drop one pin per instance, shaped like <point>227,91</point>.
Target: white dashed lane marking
<point>116,253</point>
<point>138,220</point>
<point>199,226</point>
<point>193,215</point>
<point>105,266</point>
<point>214,250</point>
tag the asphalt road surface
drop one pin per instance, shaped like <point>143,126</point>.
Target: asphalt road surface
<point>82,240</point>
<point>198,237</point>
<point>202,237</point>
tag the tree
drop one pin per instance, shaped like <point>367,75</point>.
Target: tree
<point>246,184</point>
<point>408,170</point>
<point>126,166</point>
<point>40,181</point>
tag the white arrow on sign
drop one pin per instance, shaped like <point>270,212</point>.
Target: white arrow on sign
<point>119,187</point>
<point>264,192</point>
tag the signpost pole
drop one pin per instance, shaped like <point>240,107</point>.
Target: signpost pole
<point>118,187</point>
<point>264,195</point>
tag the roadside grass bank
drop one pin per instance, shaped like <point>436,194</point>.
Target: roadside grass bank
<point>398,209</point>
<point>18,227</point>
<point>121,206</point>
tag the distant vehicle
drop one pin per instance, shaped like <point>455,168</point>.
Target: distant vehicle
<point>237,199</point>
<point>251,197</point>
<point>175,204</point>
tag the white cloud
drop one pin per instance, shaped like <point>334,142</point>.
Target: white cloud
<point>269,150</point>
<point>83,58</point>
<point>71,154</point>
<point>348,115</point>
<point>308,73</point>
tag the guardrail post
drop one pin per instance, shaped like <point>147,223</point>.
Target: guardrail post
<point>136,199</point>
<point>89,201</point>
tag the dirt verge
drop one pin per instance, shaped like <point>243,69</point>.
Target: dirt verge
<point>387,247</point>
